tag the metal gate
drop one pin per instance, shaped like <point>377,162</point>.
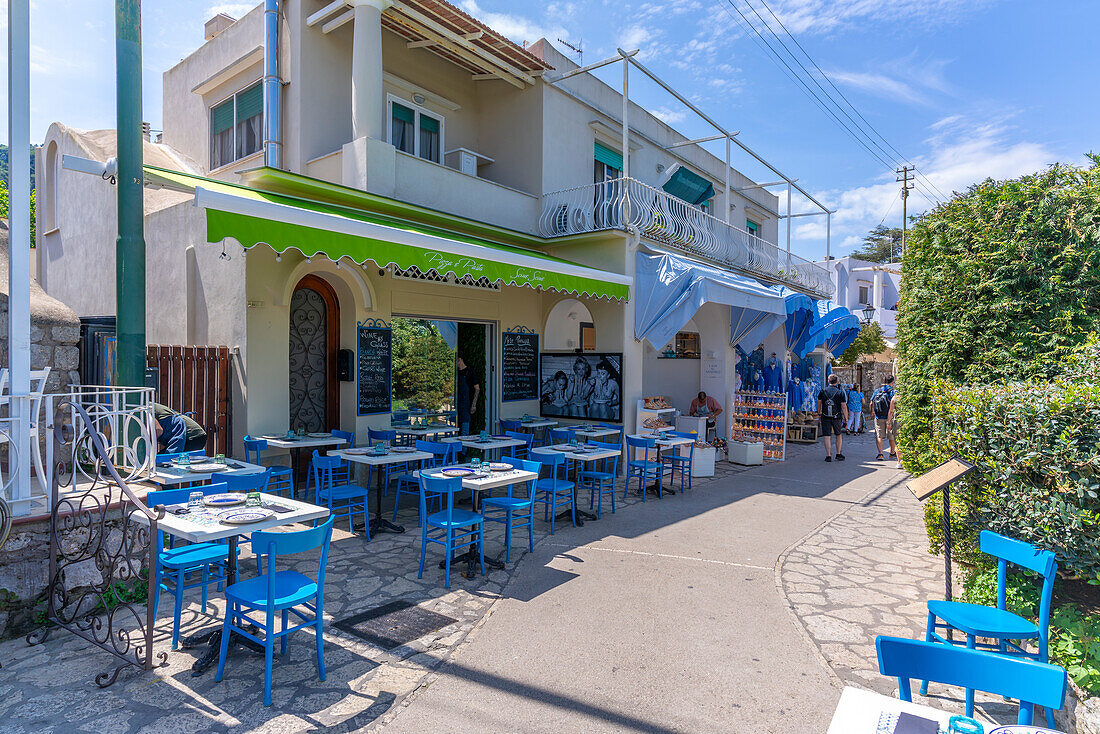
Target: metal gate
<point>195,380</point>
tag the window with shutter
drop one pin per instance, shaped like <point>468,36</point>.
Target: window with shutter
<point>236,126</point>
<point>416,131</point>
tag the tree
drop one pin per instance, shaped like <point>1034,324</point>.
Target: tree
<point>423,365</point>
<point>4,206</point>
<point>881,245</point>
<point>869,341</point>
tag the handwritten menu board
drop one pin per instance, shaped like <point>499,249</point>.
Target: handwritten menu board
<point>375,367</point>
<point>520,368</point>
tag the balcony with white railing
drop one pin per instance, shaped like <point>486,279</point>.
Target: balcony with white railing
<point>626,203</point>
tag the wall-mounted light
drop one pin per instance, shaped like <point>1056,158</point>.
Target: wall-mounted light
<point>419,98</point>
<point>660,167</point>
<point>278,258</point>
<point>255,304</point>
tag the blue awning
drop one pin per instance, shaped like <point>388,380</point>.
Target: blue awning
<point>688,186</point>
<point>834,327</point>
<point>800,316</point>
<point>669,290</point>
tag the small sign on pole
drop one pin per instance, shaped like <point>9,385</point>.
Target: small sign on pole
<point>939,479</point>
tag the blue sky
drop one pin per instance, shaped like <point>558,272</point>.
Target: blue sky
<point>965,89</point>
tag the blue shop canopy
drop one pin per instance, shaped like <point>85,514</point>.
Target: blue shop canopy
<point>670,289</point>
<point>800,316</point>
<point>688,186</point>
<point>835,328</point>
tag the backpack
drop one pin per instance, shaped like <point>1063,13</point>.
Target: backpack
<point>880,402</point>
<point>829,402</point>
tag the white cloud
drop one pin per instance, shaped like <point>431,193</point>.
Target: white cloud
<point>668,115</point>
<point>826,16</point>
<point>880,85</point>
<point>233,10</point>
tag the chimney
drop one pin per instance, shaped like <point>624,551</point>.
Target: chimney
<point>146,131</point>
<point>217,24</point>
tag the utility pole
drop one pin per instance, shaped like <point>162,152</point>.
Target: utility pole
<point>905,177</point>
<point>130,245</point>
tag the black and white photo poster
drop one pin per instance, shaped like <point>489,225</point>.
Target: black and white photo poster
<point>585,386</point>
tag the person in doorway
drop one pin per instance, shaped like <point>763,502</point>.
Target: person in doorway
<point>882,404</point>
<point>834,414</point>
<point>177,433</point>
<point>467,391</point>
<point>704,406</point>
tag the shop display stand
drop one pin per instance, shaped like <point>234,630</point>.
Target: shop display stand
<point>668,415</point>
<point>761,418</point>
<point>804,430</point>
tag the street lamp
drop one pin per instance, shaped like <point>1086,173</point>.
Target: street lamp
<point>868,314</point>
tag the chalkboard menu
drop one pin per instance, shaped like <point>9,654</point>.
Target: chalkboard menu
<point>520,369</point>
<point>375,369</point>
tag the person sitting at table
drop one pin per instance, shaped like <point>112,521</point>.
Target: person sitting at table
<point>177,433</point>
<point>704,406</point>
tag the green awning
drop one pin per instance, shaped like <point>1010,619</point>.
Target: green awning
<point>313,228</point>
<point>688,186</point>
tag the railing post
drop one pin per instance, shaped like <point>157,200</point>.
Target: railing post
<point>626,140</point>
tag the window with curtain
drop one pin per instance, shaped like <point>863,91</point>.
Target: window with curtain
<point>429,138</point>
<point>416,132</point>
<point>236,126</point>
<point>401,128</point>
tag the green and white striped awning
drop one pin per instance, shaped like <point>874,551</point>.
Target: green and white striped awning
<point>253,217</point>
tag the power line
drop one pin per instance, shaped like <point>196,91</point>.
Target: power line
<point>889,208</point>
<point>847,101</point>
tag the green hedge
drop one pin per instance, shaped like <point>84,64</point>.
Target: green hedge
<point>1037,448</point>
<point>1001,283</point>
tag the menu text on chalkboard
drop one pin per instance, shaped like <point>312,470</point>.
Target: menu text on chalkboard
<point>520,369</point>
<point>374,372</point>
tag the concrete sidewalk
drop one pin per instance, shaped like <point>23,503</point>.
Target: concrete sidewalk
<point>666,618</point>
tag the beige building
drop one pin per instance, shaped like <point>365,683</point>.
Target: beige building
<point>318,155</point>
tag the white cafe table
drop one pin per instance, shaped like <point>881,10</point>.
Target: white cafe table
<point>664,441</point>
<point>493,444</point>
<point>596,432</point>
<point>296,445</point>
<point>425,431</point>
<point>570,453</point>
<point>174,475</point>
<point>858,711</point>
<point>205,527</point>
<point>367,456</point>
<point>539,423</point>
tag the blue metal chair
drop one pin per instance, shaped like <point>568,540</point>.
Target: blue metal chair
<point>389,437</point>
<point>282,477</point>
<point>553,492</point>
<point>601,478</point>
<point>442,455</point>
<point>1030,682</point>
<point>644,468</point>
<point>451,528</point>
<point>998,623</point>
<point>175,564</point>
<point>332,488</point>
<point>243,482</point>
<point>680,462</point>
<point>524,451</point>
<point>279,591</point>
<point>517,505</point>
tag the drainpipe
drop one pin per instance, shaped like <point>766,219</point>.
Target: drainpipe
<point>272,85</point>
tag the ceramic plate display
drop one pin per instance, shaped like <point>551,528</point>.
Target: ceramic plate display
<point>499,466</point>
<point>319,435</point>
<point>207,468</point>
<point>246,515</point>
<point>223,500</point>
<point>456,471</point>
<point>358,452</point>
<point>403,449</point>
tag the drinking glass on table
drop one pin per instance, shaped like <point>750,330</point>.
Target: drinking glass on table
<point>475,464</point>
<point>219,459</point>
<point>184,460</point>
<point>194,501</point>
<point>252,499</point>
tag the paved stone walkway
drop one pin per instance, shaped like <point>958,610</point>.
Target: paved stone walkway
<point>49,687</point>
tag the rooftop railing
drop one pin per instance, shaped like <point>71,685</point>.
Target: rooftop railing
<point>625,203</point>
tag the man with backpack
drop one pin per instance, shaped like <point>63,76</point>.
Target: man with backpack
<point>882,404</point>
<point>833,407</point>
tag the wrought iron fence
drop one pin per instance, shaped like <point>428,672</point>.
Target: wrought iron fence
<point>624,203</point>
<point>102,537</point>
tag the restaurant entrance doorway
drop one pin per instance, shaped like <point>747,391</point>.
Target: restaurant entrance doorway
<point>314,342</point>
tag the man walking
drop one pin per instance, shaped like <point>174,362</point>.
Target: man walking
<point>834,414</point>
<point>882,403</point>
<point>467,391</point>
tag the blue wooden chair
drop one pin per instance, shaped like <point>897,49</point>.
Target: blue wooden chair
<point>443,454</point>
<point>282,477</point>
<point>332,488</point>
<point>524,451</point>
<point>506,426</point>
<point>176,564</point>
<point>284,592</point>
<point>553,492</point>
<point>518,512</point>
<point>244,482</point>
<point>561,435</point>
<point>1030,682</point>
<point>644,468</point>
<point>680,462</point>
<point>451,528</point>
<point>348,436</point>
<point>601,477</point>
<point>617,438</point>
<point>999,624</point>
<point>389,437</point>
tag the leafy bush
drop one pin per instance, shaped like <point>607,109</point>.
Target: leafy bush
<point>869,341</point>
<point>1075,645</point>
<point>1001,283</point>
<point>1036,446</point>
<point>1022,589</point>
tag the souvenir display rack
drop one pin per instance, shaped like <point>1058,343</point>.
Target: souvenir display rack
<point>803,427</point>
<point>761,418</point>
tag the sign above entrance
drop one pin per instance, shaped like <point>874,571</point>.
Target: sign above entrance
<point>519,372</point>
<point>374,376</point>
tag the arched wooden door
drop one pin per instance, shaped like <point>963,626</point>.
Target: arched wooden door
<point>314,342</point>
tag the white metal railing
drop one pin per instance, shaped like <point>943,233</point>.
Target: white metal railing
<point>624,203</point>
